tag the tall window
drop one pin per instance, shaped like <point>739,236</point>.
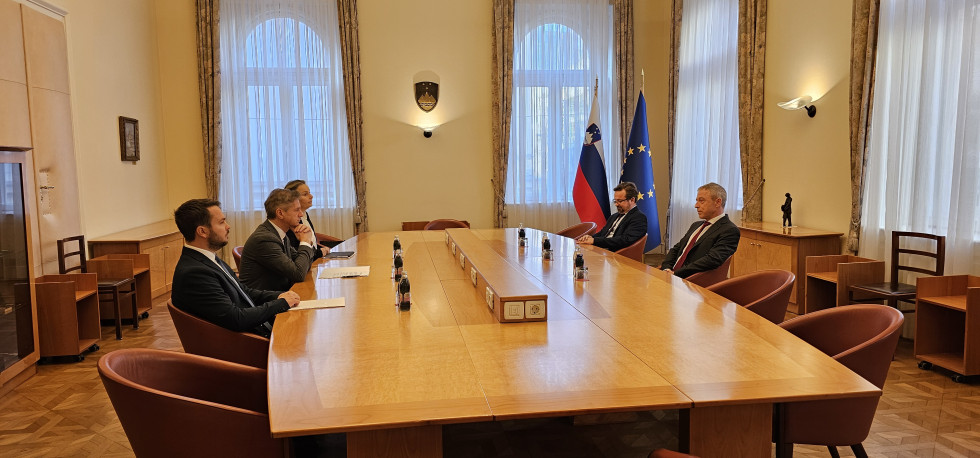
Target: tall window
<point>923,169</point>
<point>282,111</point>
<point>706,145</point>
<point>560,48</point>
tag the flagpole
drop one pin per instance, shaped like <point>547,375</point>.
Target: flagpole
<point>643,81</point>
<point>596,94</point>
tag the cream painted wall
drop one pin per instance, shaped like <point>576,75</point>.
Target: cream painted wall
<point>411,178</point>
<point>118,50</point>
<point>176,26</point>
<point>651,23</point>
<point>809,158</point>
<point>114,72</point>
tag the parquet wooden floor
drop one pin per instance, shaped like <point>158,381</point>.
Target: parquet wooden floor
<point>64,411</point>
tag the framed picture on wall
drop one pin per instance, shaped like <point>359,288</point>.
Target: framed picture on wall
<point>129,138</point>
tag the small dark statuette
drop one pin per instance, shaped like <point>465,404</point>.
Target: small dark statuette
<point>787,209</point>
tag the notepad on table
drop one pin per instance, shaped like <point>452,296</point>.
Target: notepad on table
<point>321,303</point>
<point>344,272</point>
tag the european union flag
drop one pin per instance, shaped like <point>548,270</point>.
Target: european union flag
<point>638,168</point>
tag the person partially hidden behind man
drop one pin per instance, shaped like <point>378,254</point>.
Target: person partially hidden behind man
<point>708,243</point>
<point>269,261</point>
<point>624,228</point>
<point>206,287</point>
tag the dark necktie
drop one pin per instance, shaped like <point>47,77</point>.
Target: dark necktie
<point>690,244</point>
<point>227,270</point>
<point>619,219</point>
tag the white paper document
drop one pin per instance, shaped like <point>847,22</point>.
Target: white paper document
<point>321,303</point>
<point>343,272</point>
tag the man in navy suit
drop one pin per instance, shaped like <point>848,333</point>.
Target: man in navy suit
<point>206,287</point>
<point>624,228</point>
<point>708,242</point>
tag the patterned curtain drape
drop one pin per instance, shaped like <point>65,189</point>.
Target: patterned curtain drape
<point>210,85</point>
<point>623,24</point>
<point>502,82</point>
<point>864,45</point>
<point>751,83</point>
<point>347,18</point>
<point>677,13</point>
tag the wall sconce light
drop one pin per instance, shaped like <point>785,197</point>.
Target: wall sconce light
<point>426,133</point>
<point>800,103</point>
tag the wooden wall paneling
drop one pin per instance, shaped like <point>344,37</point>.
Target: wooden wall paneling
<point>46,46</point>
<point>15,117</point>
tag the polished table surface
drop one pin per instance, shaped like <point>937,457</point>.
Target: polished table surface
<point>632,338</point>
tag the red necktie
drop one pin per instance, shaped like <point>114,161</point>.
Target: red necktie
<point>690,244</point>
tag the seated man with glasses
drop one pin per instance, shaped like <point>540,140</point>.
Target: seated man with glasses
<point>709,241</point>
<point>625,227</point>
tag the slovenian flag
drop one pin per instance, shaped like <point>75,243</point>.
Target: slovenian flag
<point>638,168</point>
<point>590,191</point>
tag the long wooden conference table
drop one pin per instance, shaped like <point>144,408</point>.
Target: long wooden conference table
<point>632,338</point>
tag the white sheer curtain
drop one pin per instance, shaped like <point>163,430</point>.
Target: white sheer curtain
<point>923,171</point>
<point>560,48</point>
<point>706,130</point>
<point>282,112</point>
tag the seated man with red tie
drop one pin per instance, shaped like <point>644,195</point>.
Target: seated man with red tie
<point>708,243</point>
<point>625,227</point>
<point>206,287</point>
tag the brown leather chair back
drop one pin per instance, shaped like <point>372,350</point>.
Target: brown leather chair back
<point>440,224</point>
<point>577,230</point>
<point>177,404</point>
<point>65,256</point>
<point>204,338</point>
<point>765,292</point>
<point>861,337</point>
<point>710,277</point>
<point>634,251</point>
<point>237,254</point>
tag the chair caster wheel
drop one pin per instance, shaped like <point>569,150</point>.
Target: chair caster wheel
<point>925,365</point>
<point>79,358</point>
<point>94,347</point>
<point>960,378</point>
<point>144,315</point>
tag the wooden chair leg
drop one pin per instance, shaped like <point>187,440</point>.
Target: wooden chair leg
<point>118,310</point>
<point>833,451</point>
<point>858,450</point>
<point>136,315</point>
<point>784,450</point>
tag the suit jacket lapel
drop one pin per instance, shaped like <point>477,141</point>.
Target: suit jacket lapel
<point>211,265</point>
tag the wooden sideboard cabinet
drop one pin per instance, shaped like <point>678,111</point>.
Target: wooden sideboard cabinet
<point>771,246</point>
<point>160,240</point>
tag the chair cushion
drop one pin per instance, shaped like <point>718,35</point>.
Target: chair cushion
<point>887,289</point>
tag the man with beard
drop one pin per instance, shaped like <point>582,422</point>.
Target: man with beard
<point>623,228</point>
<point>206,287</point>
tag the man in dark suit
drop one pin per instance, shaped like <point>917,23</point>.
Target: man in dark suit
<point>268,259</point>
<point>707,243</point>
<point>206,287</point>
<point>624,228</point>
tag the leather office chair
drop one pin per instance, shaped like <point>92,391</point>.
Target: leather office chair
<point>765,292</point>
<point>861,337</point>
<point>178,404</point>
<point>664,453</point>
<point>64,256</point>
<point>634,251</point>
<point>893,291</point>
<point>204,338</point>
<point>237,254</point>
<point>710,277</point>
<point>577,230</point>
<point>440,224</point>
